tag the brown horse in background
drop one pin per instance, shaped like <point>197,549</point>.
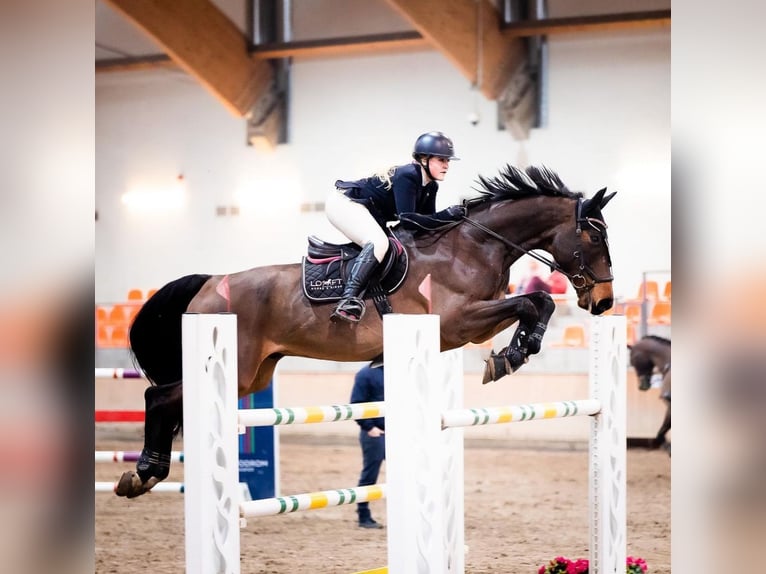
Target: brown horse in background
<point>468,262</point>
<point>648,356</point>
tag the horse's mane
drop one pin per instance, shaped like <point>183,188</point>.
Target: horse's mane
<point>514,183</point>
<point>657,338</point>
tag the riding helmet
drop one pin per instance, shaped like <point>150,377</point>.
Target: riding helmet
<point>436,144</point>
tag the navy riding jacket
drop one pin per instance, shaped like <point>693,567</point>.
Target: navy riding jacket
<point>407,193</point>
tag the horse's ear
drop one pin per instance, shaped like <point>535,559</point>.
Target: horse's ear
<point>606,199</point>
<point>596,199</point>
<point>592,204</point>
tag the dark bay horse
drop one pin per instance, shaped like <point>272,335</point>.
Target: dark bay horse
<point>468,262</point>
<point>648,356</point>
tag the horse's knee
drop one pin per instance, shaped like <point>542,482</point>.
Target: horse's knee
<point>548,306</point>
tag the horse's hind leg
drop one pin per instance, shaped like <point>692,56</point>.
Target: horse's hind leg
<point>164,413</point>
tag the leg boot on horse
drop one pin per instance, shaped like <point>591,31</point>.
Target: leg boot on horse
<point>164,413</point>
<point>525,341</point>
<point>351,307</point>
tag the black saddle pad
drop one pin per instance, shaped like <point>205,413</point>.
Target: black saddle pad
<point>326,266</point>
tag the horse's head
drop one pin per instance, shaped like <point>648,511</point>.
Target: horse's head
<point>642,362</point>
<point>583,254</point>
<point>576,237</point>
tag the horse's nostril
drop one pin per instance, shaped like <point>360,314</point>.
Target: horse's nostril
<point>604,305</point>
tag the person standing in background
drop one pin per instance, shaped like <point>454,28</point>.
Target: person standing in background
<point>368,387</point>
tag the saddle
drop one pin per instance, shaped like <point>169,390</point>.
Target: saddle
<point>326,267</point>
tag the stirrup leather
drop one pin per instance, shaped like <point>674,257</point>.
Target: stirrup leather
<point>350,309</point>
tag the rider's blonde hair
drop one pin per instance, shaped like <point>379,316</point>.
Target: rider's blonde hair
<point>386,175</point>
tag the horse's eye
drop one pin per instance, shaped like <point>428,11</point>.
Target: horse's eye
<point>595,238</point>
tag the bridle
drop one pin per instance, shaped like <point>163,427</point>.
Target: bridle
<point>578,280</point>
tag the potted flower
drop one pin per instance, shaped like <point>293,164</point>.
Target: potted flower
<point>561,565</point>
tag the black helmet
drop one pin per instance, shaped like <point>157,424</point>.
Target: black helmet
<point>434,143</point>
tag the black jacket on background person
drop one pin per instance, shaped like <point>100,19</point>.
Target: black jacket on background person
<point>368,388</point>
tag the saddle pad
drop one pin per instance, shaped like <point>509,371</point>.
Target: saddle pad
<point>324,282</point>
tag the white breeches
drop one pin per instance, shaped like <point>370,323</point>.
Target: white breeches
<point>355,222</point>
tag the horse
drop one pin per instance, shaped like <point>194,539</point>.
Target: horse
<point>468,263</point>
<point>650,355</point>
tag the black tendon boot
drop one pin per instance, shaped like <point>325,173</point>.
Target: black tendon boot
<point>351,306</point>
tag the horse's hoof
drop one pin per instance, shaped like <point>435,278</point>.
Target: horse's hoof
<point>495,367</point>
<point>130,485</point>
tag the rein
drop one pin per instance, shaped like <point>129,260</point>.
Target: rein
<point>578,280</point>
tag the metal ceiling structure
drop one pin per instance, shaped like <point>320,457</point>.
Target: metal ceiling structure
<point>240,50</point>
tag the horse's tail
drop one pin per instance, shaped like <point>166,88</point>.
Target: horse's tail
<point>155,335</point>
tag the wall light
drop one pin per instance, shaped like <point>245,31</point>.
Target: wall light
<point>153,198</point>
<point>269,196</point>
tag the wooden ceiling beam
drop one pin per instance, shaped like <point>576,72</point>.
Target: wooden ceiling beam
<point>410,40</point>
<point>452,27</point>
<point>599,22</point>
<point>349,46</point>
<point>203,41</point>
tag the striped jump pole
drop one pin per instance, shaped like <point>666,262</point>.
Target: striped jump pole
<point>159,487</point>
<point>110,373</point>
<point>312,500</point>
<point>305,415</point>
<point>519,413</point>
<point>119,416</point>
<point>130,456</point>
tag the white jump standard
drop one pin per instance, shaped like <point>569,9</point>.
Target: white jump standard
<point>424,446</point>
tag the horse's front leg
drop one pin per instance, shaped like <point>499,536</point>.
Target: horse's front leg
<point>660,439</point>
<point>532,311</point>
<point>527,340</point>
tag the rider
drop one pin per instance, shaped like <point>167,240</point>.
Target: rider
<point>360,210</point>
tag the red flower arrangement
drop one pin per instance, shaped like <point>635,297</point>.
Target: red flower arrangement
<point>561,565</point>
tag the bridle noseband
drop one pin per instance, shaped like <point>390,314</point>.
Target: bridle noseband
<point>578,280</point>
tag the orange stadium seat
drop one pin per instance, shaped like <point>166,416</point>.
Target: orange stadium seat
<point>632,312</point>
<point>102,337</point>
<point>119,337</point>
<point>660,314</point>
<point>652,291</point>
<point>631,334</point>
<point>102,315</point>
<point>574,336</point>
<point>666,290</point>
<point>135,295</point>
<point>118,315</point>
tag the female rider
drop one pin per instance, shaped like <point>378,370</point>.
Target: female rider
<point>360,210</point>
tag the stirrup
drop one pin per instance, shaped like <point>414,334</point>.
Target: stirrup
<point>350,309</point>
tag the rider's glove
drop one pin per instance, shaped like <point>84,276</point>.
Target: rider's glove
<point>452,213</point>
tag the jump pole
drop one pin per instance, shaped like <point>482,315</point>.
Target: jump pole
<point>421,399</point>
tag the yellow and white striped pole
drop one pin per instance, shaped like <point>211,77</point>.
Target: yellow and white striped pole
<point>312,500</point>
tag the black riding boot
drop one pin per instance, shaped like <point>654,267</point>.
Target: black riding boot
<point>351,306</point>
